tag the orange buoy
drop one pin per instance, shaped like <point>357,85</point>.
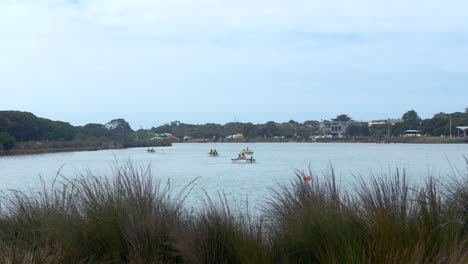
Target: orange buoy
<point>308,178</point>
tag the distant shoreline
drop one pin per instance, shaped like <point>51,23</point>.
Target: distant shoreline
<point>383,140</point>
<point>43,147</point>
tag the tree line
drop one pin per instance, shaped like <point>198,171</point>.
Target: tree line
<point>24,126</point>
<point>441,124</point>
<point>268,130</point>
<point>438,125</point>
<point>17,126</point>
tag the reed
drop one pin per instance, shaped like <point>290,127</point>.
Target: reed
<point>129,218</point>
<point>94,219</point>
<point>385,220</point>
<point>221,233</point>
<point>309,222</point>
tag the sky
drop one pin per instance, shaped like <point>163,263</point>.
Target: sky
<point>218,61</point>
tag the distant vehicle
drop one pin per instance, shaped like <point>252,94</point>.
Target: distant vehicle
<point>412,133</point>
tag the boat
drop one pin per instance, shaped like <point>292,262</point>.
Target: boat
<point>247,151</point>
<point>151,150</point>
<point>213,153</point>
<point>243,160</point>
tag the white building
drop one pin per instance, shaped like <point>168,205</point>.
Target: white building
<point>384,122</point>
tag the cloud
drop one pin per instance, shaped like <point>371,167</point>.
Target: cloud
<point>125,50</point>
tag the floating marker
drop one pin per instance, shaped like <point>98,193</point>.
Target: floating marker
<point>308,178</point>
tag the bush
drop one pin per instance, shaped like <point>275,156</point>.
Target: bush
<point>7,141</point>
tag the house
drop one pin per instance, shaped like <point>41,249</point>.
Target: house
<point>334,128</point>
<point>236,136</point>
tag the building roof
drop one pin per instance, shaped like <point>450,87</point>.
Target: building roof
<point>462,127</point>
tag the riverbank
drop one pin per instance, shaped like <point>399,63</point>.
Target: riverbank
<point>382,140</point>
<point>128,218</point>
<point>41,147</point>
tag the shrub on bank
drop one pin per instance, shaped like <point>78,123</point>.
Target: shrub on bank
<point>7,141</point>
<point>130,219</point>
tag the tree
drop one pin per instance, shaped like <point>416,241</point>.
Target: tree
<point>436,126</point>
<point>378,130</point>
<point>25,126</point>
<point>342,118</point>
<point>353,130</point>
<point>271,129</point>
<point>92,131</point>
<point>466,110</point>
<point>357,130</point>
<point>119,129</point>
<point>248,130</point>
<point>364,130</point>
<point>7,142</point>
<point>56,130</point>
<point>313,126</point>
<point>411,120</point>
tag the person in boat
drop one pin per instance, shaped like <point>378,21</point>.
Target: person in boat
<point>211,151</point>
<point>239,156</point>
<point>247,149</point>
<point>251,158</point>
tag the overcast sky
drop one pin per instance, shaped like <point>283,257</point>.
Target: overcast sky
<point>154,61</point>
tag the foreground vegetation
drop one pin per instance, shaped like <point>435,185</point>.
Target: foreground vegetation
<point>130,219</point>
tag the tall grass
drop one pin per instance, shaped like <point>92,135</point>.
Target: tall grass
<point>310,222</point>
<point>220,233</point>
<point>385,220</point>
<point>128,218</point>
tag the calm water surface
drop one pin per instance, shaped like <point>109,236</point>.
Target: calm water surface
<point>276,163</point>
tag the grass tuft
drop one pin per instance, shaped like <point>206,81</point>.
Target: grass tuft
<point>129,218</point>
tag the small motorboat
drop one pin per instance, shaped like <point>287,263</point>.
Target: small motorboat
<point>243,160</point>
<point>247,151</point>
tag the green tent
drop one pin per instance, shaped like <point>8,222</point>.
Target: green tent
<point>153,138</point>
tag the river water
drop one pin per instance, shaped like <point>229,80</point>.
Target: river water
<point>276,163</point>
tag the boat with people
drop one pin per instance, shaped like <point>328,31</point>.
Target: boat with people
<point>213,153</point>
<point>243,160</point>
<point>151,150</point>
<point>247,151</point>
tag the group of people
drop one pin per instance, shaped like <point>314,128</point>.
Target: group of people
<point>213,152</point>
<point>242,156</point>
